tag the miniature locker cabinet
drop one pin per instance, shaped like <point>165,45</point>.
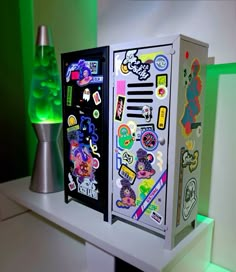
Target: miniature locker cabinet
<point>156,130</point>
<point>132,129</point>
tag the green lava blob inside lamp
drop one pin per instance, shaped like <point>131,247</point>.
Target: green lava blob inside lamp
<point>45,112</point>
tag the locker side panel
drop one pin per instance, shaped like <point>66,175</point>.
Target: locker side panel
<point>190,123</point>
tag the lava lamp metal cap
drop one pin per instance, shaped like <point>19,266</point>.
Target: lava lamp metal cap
<point>44,36</point>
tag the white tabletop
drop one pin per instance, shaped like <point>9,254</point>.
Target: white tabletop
<point>133,245</point>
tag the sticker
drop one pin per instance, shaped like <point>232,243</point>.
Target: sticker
<point>161,92</point>
<point>118,152</point>
<point>120,87</point>
<point>180,188</point>
<point>75,75</point>
<point>161,62</point>
<point>142,128</point>
<point>96,163</point>
<point>88,188</point>
<point>190,144</point>
<point>119,108</point>
<point>190,197</point>
<point>133,64</point>
<point>133,126</point>
<point>149,140</point>
<point>71,184</point>
<point>87,135</point>
<point>159,160</point>
<point>96,80</point>
<point>86,94</point>
<point>147,113</point>
<point>69,96</point>
<point>192,107</point>
<point>127,173</point>
<point>143,166</point>
<point>127,195</point>
<point>71,120</point>
<point>144,187</point>
<point>190,160</point>
<point>150,157</point>
<point>161,119</point>
<point>162,80</point>
<point>96,114</point>
<point>156,189</point>
<point>156,217</point>
<point>127,157</point>
<point>96,98</point>
<point>126,139</point>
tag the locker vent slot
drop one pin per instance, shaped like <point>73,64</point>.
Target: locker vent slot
<point>140,92</point>
<point>141,100</point>
<point>144,84</point>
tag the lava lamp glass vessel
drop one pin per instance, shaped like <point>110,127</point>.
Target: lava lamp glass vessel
<point>45,112</point>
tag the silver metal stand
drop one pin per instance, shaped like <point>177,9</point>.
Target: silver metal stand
<point>47,176</point>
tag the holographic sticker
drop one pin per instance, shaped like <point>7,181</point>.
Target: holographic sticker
<point>149,140</point>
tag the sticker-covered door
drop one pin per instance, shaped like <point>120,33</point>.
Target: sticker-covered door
<point>140,136</point>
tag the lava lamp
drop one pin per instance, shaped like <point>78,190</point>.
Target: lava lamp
<point>45,112</point>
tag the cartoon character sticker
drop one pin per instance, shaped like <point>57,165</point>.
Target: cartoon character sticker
<point>190,160</point>
<point>193,91</point>
<point>147,113</point>
<point>133,64</point>
<point>126,139</point>
<point>127,195</point>
<point>190,197</point>
<point>143,167</point>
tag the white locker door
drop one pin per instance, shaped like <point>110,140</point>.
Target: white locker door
<point>142,93</point>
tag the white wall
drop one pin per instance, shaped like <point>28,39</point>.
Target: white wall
<point>210,21</point>
<point>213,22</point>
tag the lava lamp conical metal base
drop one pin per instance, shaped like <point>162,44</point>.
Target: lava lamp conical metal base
<point>47,176</point>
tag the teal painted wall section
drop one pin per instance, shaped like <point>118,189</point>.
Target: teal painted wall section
<point>13,139</point>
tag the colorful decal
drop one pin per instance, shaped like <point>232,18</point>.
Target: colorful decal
<point>190,197</point>
<point>119,108</point>
<point>86,94</point>
<point>143,166</point>
<point>87,135</point>
<point>96,98</point>
<point>144,188</point>
<point>190,160</point>
<point>193,91</point>
<point>120,87</point>
<point>71,184</point>
<point>133,64</point>
<point>71,120</point>
<point>149,140</point>
<point>180,188</point>
<point>190,144</point>
<point>96,114</point>
<point>142,128</point>
<point>127,195</point>
<point>133,126</point>
<point>88,188</point>
<point>161,117</point>
<point>69,96</point>
<point>96,163</point>
<point>127,173</point>
<point>161,63</point>
<point>156,217</point>
<point>126,139</point>
<point>118,152</point>
<point>127,157</point>
<point>162,80</point>
<point>151,196</point>
<point>147,113</point>
<point>161,92</point>
<point>159,160</point>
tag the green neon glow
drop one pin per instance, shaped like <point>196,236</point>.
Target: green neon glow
<point>45,97</point>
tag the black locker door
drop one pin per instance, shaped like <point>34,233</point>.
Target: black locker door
<point>85,126</point>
